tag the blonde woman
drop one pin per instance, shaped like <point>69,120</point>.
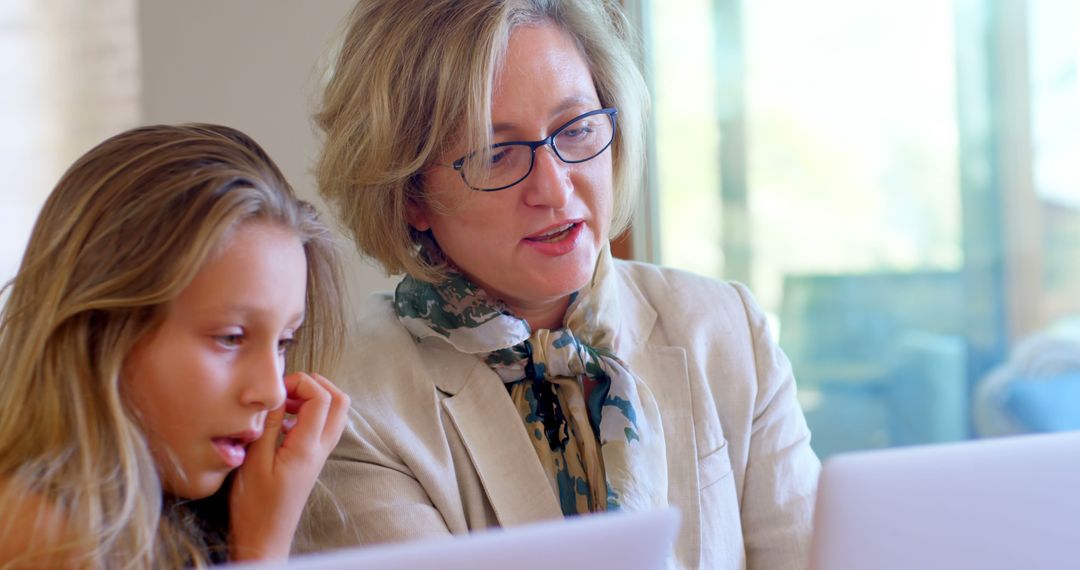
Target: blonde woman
<point>489,149</point>
<point>144,348</point>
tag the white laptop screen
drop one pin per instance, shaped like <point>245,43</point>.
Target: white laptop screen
<point>1000,503</point>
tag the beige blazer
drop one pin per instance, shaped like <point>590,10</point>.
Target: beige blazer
<point>435,446</point>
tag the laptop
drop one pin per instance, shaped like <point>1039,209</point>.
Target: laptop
<point>989,504</point>
<point>628,541</point>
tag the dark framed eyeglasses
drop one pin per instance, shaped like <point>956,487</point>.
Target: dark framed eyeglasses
<point>505,164</point>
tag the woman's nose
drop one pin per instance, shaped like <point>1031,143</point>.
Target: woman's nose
<point>549,183</point>
<point>263,383</point>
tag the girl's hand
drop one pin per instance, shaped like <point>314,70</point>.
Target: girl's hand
<point>271,487</point>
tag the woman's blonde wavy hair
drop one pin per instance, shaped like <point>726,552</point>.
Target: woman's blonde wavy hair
<point>128,226</point>
<point>412,77</point>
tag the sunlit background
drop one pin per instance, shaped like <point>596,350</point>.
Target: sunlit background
<point>896,181</point>
<point>74,72</point>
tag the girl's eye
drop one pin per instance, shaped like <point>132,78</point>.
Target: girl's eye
<point>285,344</point>
<point>230,340</point>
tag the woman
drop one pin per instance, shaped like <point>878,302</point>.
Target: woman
<point>143,347</point>
<point>518,373</point>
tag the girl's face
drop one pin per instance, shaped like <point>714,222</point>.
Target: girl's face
<point>203,381</point>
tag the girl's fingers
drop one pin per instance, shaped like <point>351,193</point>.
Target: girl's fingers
<point>292,405</point>
<point>338,413</point>
<point>261,451</point>
<point>314,403</point>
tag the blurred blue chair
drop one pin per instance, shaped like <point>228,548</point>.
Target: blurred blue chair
<point>1037,389</point>
<point>880,358</point>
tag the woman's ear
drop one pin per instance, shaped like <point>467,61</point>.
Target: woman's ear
<point>416,215</point>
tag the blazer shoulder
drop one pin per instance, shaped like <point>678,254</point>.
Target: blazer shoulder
<point>376,345</point>
<point>377,320</point>
<point>686,298</point>
<point>383,364</point>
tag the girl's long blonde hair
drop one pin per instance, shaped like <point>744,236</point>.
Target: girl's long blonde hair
<point>128,226</point>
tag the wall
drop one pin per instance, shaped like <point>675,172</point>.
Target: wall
<point>69,72</point>
<point>253,65</point>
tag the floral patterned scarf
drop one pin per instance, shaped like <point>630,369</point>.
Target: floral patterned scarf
<point>603,452</point>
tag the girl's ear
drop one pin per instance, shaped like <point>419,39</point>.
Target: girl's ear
<point>417,216</point>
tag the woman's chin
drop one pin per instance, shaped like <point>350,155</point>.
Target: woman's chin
<point>551,287</point>
<point>530,282</point>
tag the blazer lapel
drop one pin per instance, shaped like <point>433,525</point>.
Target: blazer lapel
<point>495,438</point>
<point>664,370</point>
<point>500,449</point>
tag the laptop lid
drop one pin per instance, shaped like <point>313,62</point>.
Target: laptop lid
<point>998,503</point>
<point>628,541</point>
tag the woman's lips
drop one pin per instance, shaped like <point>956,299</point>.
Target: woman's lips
<point>557,240</point>
<point>553,233</point>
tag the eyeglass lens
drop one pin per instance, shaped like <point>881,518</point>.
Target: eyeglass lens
<point>506,164</point>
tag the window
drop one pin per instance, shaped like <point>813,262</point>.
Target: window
<point>903,207</point>
<point>70,80</point>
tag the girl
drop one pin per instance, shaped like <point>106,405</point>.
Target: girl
<point>142,406</point>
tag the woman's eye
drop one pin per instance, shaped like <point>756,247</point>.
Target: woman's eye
<point>576,135</point>
<point>285,344</point>
<point>498,157</point>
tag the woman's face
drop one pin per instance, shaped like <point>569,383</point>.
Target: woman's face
<point>204,379</point>
<point>536,242</point>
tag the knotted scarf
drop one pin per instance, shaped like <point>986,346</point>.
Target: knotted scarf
<point>603,452</point>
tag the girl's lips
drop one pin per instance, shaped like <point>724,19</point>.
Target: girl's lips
<point>231,450</point>
<point>558,240</point>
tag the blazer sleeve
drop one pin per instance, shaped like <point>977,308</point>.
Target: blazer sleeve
<point>782,470</point>
<point>366,496</point>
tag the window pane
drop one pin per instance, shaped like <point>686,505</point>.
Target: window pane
<point>1055,124</point>
<point>687,142</point>
<point>902,206</point>
<point>70,79</point>
<point>853,194</point>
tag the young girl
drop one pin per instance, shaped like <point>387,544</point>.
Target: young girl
<point>144,392</point>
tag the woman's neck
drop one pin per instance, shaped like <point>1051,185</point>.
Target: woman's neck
<point>547,315</point>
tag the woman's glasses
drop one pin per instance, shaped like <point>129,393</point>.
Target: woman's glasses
<point>505,164</point>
